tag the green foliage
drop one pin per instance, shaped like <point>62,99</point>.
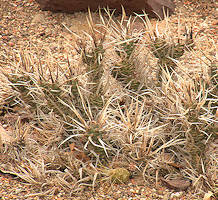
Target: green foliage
<point>22,83</point>
<point>166,52</point>
<point>93,57</point>
<point>44,94</point>
<point>126,49</point>
<point>95,133</point>
<point>125,71</point>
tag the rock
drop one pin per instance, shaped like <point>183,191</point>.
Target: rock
<point>5,137</point>
<point>151,7</point>
<point>161,7</point>
<point>176,195</point>
<point>178,184</point>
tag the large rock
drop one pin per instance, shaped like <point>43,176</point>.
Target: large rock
<point>151,7</point>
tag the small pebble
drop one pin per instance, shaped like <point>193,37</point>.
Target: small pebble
<point>176,195</point>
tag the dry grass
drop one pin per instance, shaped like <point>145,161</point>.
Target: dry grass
<point>129,102</point>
